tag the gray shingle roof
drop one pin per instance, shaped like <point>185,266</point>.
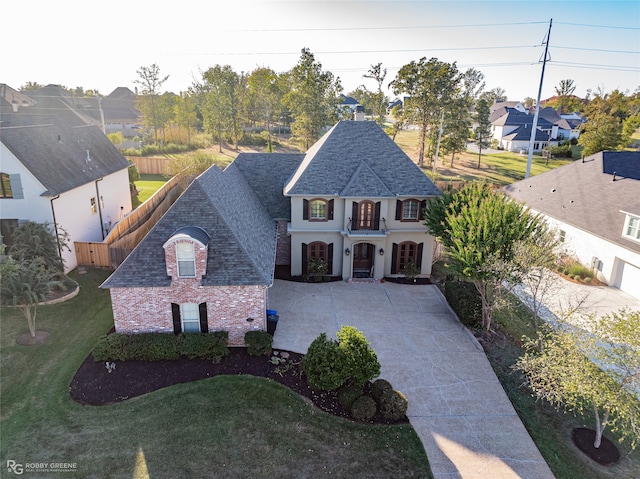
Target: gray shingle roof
<point>515,117</point>
<point>585,195</point>
<point>243,236</point>
<point>267,173</point>
<point>524,133</point>
<point>56,153</point>
<point>329,165</point>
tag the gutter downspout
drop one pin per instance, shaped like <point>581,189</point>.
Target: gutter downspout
<point>98,200</point>
<point>55,225</point>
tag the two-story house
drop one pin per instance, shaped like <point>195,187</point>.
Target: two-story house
<point>353,201</point>
<point>70,176</point>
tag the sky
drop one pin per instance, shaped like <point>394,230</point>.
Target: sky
<point>101,44</point>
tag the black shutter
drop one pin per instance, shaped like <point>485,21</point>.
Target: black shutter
<point>204,324</point>
<point>177,323</point>
<point>423,206</point>
<point>304,258</point>
<point>394,259</point>
<point>305,209</point>
<point>330,210</point>
<point>419,257</point>
<point>398,209</point>
<point>330,258</point>
<point>376,216</point>
<point>354,216</point>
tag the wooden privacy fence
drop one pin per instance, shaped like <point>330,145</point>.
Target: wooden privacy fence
<point>151,165</point>
<point>129,231</point>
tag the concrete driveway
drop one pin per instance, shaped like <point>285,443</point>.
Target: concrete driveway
<point>456,404</point>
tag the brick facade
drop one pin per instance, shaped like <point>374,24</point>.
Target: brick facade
<point>138,310</point>
<point>283,245</point>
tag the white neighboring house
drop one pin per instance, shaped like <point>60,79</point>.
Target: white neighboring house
<point>595,205</point>
<point>53,172</point>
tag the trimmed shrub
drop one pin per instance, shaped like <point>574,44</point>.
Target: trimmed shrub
<point>325,364</point>
<point>464,299</point>
<point>347,396</point>
<point>161,346</point>
<point>379,388</point>
<point>363,409</point>
<point>362,361</point>
<point>393,405</point>
<point>258,343</point>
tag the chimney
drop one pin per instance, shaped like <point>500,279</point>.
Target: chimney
<point>358,113</point>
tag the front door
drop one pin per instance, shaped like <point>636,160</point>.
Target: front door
<point>363,260</point>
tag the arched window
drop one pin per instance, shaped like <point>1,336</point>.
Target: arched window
<point>317,250</point>
<point>186,260</point>
<point>317,210</point>
<point>405,252</point>
<point>5,188</point>
<point>314,252</point>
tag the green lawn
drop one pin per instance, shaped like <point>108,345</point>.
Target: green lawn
<point>147,185</point>
<point>230,426</point>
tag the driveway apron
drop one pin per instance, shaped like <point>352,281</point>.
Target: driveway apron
<point>457,406</point>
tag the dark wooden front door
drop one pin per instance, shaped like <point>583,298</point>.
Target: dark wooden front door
<point>362,259</point>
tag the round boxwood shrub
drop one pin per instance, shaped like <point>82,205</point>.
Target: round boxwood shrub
<point>348,394</point>
<point>258,343</point>
<point>325,364</point>
<point>362,361</point>
<point>363,409</point>
<point>380,387</point>
<point>393,405</point>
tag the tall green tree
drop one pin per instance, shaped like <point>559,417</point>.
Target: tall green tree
<point>150,81</point>
<point>313,98</point>
<point>596,369</point>
<point>220,103</point>
<point>377,73</point>
<point>494,95</point>
<point>264,99</point>
<point>432,86</point>
<point>479,229</point>
<point>483,126</point>
<point>185,112</point>
<point>32,240</point>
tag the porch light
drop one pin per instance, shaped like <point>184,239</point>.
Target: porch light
<point>381,251</point>
<point>347,251</point>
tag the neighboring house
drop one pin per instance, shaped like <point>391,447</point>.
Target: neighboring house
<point>511,128</point>
<point>594,203</point>
<point>113,113</point>
<point>354,201</point>
<point>566,130</point>
<point>72,176</point>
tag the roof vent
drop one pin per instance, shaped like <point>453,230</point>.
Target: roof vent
<point>614,175</point>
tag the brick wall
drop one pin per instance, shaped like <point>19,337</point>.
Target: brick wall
<point>200,253</point>
<point>137,310</point>
<point>283,245</point>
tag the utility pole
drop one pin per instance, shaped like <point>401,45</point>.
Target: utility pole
<point>435,160</point>
<point>535,116</point>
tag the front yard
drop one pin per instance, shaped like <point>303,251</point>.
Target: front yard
<point>220,427</point>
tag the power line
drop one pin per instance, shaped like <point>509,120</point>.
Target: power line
<point>616,27</point>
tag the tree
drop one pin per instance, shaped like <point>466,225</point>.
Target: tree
<point>494,95</point>
<point>431,85</point>
<point>25,284</point>
<point>399,121</point>
<point>147,103</point>
<point>483,128</point>
<point>598,369</point>
<point>479,229</point>
<point>185,112</point>
<point>264,98</point>
<point>33,240</point>
<point>313,98</point>
<point>377,73</point>
<point>601,132</point>
<point>31,86</point>
<point>220,105</point>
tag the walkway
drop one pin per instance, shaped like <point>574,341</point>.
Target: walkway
<point>456,404</point>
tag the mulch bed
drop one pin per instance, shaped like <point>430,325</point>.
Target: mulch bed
<point>94,385</point>
<point>605,455</point>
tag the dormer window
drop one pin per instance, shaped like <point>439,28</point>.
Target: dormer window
<point>632,228</point>
<point>186,260</point>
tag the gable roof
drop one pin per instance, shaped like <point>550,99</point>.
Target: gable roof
<point>585,194</point>
<point>551,115</point>
<point>61,157</point>
<point>523,133</point>
<point>266,173</point>
<point>242,236</point>
<point>515,117</point>
<point>329,168</point>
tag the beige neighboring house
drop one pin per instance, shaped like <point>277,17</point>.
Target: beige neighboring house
<point>595,205</point>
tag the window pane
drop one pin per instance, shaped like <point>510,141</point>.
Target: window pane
<point>185,251</point>
<point>186,260</point>
<point>318,210</point>
<point>190,318</point>
<point>186,268</point>
<point>410,210</point>
<point>5,191</point>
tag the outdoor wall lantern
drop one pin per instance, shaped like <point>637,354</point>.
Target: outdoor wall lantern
<point>347,251</point>
<point>381,251</point>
